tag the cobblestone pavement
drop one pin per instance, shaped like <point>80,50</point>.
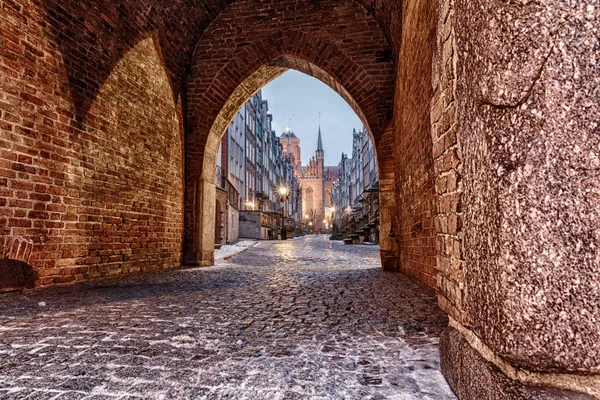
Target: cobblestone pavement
<point>302,319</point>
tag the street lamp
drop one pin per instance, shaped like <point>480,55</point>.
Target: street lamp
<point>332,221</point>
<point>284,194</point>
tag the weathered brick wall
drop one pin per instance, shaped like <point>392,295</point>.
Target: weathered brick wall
<point>106,111</point>
<point>339,38</point>
<point>415,178</point>
<point>448,167</point>
<point>87,188</point>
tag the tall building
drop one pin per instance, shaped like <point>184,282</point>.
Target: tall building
<point>356,194</point>
<point>316,180</point>
<point>232,152</point>
<point>342,190</point>
<point>251,166</point>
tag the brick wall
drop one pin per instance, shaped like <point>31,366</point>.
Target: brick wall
<point>448,167</point>
<point>415,179</point>
<point>87,188</point>
<point>94,99</point>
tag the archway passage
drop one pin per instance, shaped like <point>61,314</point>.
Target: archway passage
<point>350,54</point>
<point>482,114</point>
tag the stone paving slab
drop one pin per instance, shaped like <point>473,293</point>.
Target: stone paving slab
<point>298,319</point>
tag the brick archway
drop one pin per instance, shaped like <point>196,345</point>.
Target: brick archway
<point>237,56</point>
<point>200,190</point>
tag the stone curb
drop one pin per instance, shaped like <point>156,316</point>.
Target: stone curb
<point>240,252</point>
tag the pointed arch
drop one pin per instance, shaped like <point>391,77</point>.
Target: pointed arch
<point>231,63</point>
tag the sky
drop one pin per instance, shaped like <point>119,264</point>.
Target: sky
<point>300,97</point>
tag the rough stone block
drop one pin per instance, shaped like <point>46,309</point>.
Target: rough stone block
<point>472,377</point>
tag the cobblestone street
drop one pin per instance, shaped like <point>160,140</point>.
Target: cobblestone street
<point>302,319</point>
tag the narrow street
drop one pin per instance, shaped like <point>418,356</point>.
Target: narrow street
<point>301,319</point>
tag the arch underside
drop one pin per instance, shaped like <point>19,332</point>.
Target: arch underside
<point>351,55</point>
<point>253,84</point>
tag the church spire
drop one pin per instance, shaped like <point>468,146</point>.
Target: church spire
<point>320,141</point>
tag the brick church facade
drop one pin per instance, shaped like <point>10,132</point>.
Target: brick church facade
<point>316,179</point>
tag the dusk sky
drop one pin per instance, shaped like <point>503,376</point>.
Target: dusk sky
<point>300,97</point>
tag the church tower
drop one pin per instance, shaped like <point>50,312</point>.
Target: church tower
<point>320,154</point>
<point>291,148</point>
<point>316,182</point>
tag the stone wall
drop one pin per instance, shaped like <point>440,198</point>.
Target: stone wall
<point>250,225</point>
<point>87,188</point>
<point>518,147</point>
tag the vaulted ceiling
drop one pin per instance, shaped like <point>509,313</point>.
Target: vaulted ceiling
<point>93,35</point>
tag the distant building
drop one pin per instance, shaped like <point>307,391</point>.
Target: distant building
<point>230,181</point>
<point>316,181</point>
<point>342,197</point>
<point>363,167</point>
<point>356,194</point>
<point>233,153</point>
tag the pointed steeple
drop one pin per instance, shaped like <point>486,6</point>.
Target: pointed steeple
<point>320,141</point>
<point>320,150</point>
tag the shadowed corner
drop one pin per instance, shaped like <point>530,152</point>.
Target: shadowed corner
<point>103,52</point>
<point>15,275</point>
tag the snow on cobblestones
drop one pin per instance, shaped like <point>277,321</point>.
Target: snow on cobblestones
<point>297,319</point>
<point>228,250</point>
